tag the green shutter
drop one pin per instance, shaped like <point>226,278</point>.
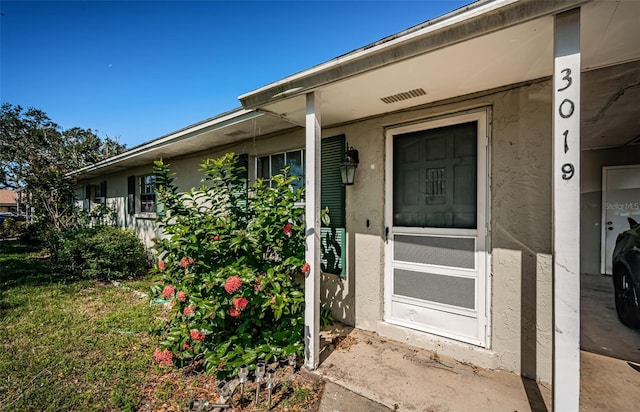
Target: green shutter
<point>332,189</point>
<point>332,238</point>
<point>333,250</point>
<point>131,194</point>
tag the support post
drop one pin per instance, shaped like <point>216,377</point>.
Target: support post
<point>312,233</point>
<point>566,212</point>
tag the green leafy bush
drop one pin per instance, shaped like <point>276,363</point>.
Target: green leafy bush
<point>10,228</point>
<point>229,262</point>
<point>102,252</point>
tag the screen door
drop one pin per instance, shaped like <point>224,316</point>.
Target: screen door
<point>435,277</point>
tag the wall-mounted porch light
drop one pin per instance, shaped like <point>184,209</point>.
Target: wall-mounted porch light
<point>348,165</point>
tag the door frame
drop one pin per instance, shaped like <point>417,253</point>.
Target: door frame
<point>603,222</point>
<point>483,263</point>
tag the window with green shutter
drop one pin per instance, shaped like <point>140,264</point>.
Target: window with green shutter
<point>333,236</point>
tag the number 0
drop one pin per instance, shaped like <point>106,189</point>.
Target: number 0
<point>566,108</point>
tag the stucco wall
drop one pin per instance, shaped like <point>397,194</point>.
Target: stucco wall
<point>520,207</point>
<point>117,199</point>
<point>592,162</point>
<point>521,230</point>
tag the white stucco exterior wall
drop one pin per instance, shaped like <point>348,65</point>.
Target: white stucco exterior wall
<point>520,204</point>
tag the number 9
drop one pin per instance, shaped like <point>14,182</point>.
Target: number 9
<point>567,171</point>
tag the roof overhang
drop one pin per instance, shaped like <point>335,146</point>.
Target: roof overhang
<point>228,128</point>
<point>483,46</point>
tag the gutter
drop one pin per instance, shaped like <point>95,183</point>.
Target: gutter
<point>471,21</point>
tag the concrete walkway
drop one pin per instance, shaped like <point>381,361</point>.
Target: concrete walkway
<point>368,373</point>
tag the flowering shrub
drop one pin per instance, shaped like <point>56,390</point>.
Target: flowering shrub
<point>227,260</point>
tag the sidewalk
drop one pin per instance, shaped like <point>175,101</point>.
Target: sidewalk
<point>367,373</point>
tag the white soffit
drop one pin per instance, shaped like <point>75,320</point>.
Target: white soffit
<point>610,33</point>
<point>486,62</point>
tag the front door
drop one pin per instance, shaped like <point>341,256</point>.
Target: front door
<point>620,200</point>
<point>436,215</point>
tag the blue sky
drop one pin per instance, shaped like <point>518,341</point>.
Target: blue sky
<point>137,70</point>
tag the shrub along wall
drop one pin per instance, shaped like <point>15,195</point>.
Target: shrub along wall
<point>227,262</point>
<point>102,252</point>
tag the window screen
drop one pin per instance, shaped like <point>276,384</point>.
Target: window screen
<point>435,177</point>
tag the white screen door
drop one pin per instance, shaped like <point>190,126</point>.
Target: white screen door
<point>620,201</point>
<point>435,213</point>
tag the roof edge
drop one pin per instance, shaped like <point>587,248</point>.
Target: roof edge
<point>213,123</point>
<point>470,21</point>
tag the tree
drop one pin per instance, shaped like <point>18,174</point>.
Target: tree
<point>36,156</point>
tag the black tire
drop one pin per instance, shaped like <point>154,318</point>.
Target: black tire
<point>627,299</point>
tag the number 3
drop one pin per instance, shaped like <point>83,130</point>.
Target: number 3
<point>567,78</point>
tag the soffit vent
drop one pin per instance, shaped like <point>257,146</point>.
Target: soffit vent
<point>403,96</point>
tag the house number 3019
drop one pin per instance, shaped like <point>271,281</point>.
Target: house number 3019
<point>565,110</point>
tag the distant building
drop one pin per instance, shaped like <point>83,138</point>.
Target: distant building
<point>8,201</point>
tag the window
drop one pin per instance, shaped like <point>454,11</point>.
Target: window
<point>147,194</point>
<point>271,165</point>
<point>86,202</point>
<point>100,193</point>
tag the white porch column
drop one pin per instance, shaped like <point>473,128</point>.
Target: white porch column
<point>312,233</point>
<point>566,212</point>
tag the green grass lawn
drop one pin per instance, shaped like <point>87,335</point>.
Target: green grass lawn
<point>70,345</point>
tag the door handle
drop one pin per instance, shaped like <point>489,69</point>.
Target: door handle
<point>386,234</point>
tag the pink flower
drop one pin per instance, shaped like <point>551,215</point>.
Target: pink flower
<point>287,229</point>
<point>186,346</point>
<point>306,268</point>
<point>234,312</point>
<point>240,303</point>
<point>181,296</point>
<point>168,291</point>
<point>215,238</point>
<point>189,310</point>
<point>163,357</point>
<point>185,262</point>
<point>257,286</point>
<point>197,335</point>
<point>232,284</point>
<point>273,300</point>
<point>161,265</point>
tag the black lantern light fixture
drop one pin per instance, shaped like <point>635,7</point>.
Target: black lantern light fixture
<point>348,165</point>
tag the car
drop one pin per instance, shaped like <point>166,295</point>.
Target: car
<point>626,275</point>
<point>16,218</point>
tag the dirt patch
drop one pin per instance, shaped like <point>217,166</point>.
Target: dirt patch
<point>171,389</point>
